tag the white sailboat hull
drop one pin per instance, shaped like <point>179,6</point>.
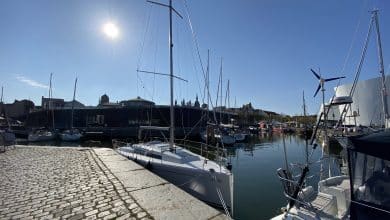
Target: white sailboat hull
<point>42,136</point>
<point>201,183</point>
<point>70,137</point>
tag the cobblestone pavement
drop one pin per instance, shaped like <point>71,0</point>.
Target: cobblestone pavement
<point>61,183</point>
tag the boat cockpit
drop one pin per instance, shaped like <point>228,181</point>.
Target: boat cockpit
<point>369,165</point>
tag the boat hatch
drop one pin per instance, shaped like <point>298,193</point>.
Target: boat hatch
<point>369,164</point>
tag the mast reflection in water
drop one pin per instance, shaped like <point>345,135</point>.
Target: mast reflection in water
<point>258,193</point>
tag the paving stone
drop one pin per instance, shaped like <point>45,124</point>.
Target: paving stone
<point>93,212</point>
<point>76,217</point>
<point>110,216</point>
<point>141,214</point>
<point>102,214</point>
<point>132,206</point>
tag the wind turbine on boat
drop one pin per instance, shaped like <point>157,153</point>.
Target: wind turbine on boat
<point>321,85</point>
<point>322,82</point>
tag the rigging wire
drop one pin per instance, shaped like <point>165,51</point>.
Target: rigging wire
<point>362,58</point>
<point>195,39</point>
<point>143,44</point>
<point>353,38</point>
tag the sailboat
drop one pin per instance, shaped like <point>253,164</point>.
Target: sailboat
<point>71,134</point>
<point>223,134</point>
<point>205,179</point>
<point>43,134</point>
<point>362,195</point>
<point>7,137</point>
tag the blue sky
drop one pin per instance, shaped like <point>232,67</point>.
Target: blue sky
<point>267,47</point>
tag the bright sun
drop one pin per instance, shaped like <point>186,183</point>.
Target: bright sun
<point>110,30</point>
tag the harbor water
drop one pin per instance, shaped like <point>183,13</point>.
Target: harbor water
<point>258,191</point>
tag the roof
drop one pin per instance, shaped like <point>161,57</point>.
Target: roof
<point>375,144</point>
<point>138,99</point>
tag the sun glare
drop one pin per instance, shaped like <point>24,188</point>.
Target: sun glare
<point>110,30</point>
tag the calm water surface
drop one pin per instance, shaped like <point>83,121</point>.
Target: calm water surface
<point>257,190</point>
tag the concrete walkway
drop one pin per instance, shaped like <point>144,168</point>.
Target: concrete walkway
<point>84,183</point>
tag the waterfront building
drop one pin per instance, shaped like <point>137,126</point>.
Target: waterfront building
<point>17,109</point>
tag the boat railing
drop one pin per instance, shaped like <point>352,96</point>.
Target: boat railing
<point>299,200</point>
<point>290,185</point>
<point>215,153</point>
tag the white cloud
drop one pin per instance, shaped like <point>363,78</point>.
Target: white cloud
<point>31,82</point>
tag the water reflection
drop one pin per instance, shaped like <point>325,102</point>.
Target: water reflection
<point>258,191</point>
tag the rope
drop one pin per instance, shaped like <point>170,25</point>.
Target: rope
<point>220,196</point>
<point>382,210</point>
<point>223,202</point>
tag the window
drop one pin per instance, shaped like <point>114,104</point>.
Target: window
<point>370,178</point>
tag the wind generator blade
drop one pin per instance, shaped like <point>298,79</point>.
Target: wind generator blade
<point>318,89</point>
<point>330,79</point>
<point>318,76</point>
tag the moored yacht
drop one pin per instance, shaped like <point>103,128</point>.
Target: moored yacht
<point>363,195</point>
<point>41,135</point>
<point>71,134</point>
<point>203,178</point>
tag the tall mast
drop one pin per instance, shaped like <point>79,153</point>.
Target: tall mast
<point>51,100</point>
<point>171,76</point>
<point>74,97</point>
<point>208,82</point>
<point>381,70</point>
<point>1,94</point>
<point>227,95</point>
<point>220,112</point>
<point>172,129</point>
<point>304,104</point>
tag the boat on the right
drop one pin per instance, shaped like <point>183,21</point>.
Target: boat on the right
<point>364,194</point>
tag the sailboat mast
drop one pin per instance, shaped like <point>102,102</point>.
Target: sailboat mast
<point>51,100</point>
<point>74,97</point>
<point>208,81</point>
<point>172,129</point>
<point>1,95</point>
<point>304,104</point>
<point>381,69</point>
<point>172,113</point>
<point>228,95</point>
<point>220,112</point>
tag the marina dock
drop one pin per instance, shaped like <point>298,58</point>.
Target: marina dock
<point>88,183</point>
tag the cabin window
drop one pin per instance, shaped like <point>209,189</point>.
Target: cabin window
<point>370,179</point>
